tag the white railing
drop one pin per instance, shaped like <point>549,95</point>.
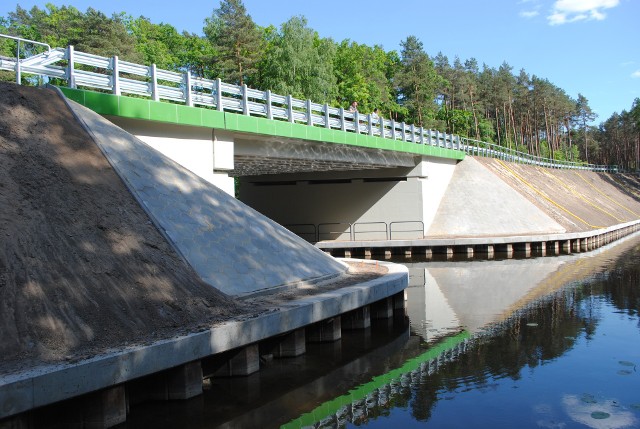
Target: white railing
<point>122,77</point>
<point>480,148</point>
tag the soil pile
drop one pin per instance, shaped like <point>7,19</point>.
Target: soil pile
<point>82,268</point>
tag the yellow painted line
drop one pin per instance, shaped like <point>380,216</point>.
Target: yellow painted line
<point>607,196</point>
<point>577,194</point>
<point>517,176</point>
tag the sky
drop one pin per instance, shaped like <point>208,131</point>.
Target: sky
<point>588,47</point>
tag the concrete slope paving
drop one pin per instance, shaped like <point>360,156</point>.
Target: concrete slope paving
<point>231,246</point>
<point>475,204</point>
<point>577,200</point>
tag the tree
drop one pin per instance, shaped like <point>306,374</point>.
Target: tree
<point>237,40</point>
<point>584,114</point>
<point>298,62</point>
<point>364,75</point>
<point>417,82</point>
<point>92,32</point>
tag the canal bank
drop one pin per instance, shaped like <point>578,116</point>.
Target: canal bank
<point>119,265</point>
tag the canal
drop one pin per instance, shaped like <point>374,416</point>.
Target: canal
<point>550,342</point>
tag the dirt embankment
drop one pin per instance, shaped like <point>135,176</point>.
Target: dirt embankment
<point>81,266</point>
<point>577,200</point>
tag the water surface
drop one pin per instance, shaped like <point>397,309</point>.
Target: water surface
<point>548,342</point>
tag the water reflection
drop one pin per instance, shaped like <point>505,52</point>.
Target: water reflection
<point>550,342</point>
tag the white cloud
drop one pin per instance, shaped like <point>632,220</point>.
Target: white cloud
<point>529,13</point>
<point>565,11</point>
<point>636,74</point>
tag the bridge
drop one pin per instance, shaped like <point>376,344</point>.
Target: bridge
<point>314,168</point>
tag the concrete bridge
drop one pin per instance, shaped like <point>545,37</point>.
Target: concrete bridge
<point>317,169</point>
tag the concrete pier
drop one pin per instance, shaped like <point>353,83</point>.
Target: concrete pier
<point>526,245</point>
<point>291,345</point>
<point>325,331</point>
<point>357,319</point>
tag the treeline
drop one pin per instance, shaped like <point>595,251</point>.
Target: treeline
<point>514,110</point>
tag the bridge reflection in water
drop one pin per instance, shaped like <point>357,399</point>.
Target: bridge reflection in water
<point>468,328</point>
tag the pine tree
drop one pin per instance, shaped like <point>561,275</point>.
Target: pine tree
<point>237,39</point>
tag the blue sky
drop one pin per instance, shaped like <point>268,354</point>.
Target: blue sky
<point>590,47</point>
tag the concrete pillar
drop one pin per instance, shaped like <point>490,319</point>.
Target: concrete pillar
<point>540,248</point>
<point>400,300</point>
<point>367,253</point>
<point>291,345</point>
<point>185,381</point>
<point>506,249</point>
<point>428,252</point>
<point>584,244</point>
<point>382,309</point>
<point>554,247</point>
<point>488,250</point>
<point>566,246</point>
<point>468,250</point>
<point>387,253</point>
<point>407,252</point>
<point>325,331</point>
<point>347,253</point>
<point>524,248</point>
<point>245,362</point>
<point>105,408</point>
<point>576,245</point>
<point>359,318</point>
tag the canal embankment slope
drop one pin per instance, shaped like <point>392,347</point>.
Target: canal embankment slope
<point>490,197</point>
<point>108,246</point>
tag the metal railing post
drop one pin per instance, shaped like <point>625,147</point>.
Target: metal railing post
<point>393,129</point>
<point>245,100</point>
<point>382,127</point>
<point>187,88</point>
<point>343,125</point>
<point>326,116</point>
<point>369,119</point>
<point>219,95</point>
<point>356,122</point>
<point>18,71</point>
<point>115,75</point>
<point>403,134</point>
<point>268,101</point>
<point>290,107</point>
<point>71,78</point>
<point>154,83</point>
<point>309,117</point>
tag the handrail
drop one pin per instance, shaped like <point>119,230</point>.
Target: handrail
<point>349,230</point>
<point>17,66</point>
<point>356,232</point>
<point>293,227</point>
<point>122,77</point>
<point>20,39</point>
<point>421,230</point>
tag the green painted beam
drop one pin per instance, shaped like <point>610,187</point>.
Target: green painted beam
<point>142,108</point>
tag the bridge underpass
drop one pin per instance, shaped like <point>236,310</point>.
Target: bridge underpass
<point>317,189</point>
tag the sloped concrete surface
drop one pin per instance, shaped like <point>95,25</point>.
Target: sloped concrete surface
<point>476,204</point>
<point>231,246</point>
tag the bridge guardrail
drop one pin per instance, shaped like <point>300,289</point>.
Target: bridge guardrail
<point>122,77</point>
